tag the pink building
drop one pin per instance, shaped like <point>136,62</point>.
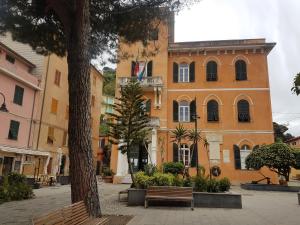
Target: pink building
<point>20,89</point>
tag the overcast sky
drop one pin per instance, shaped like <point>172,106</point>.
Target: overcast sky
<point>276,20</point>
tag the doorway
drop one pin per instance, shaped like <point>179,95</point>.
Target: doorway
<point>139,158</point>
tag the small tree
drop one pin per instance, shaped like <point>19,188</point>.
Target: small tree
<point>296,85</point>
<point>179,134</point>
<point>195,137</point>
<point>130,126</point>
<point>278,157</point>
<point>206,146</point>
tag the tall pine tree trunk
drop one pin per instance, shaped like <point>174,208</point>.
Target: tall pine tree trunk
<point>82,172</point>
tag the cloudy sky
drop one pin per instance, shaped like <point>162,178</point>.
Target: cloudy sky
<point>275,20</point>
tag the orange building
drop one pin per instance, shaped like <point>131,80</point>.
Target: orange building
<point>294,143</point>
<point>225,82</point>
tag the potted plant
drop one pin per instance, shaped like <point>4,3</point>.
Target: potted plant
<point>108,175</point>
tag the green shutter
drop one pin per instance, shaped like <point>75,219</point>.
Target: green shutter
<point>175,152</point>
<point>18,97</point>
<point>237,157</point>
<point>192,110</point>
<point>194,155</point>
<point>192,72</point>
<point>175,72</point>
<point>175,111</point>
<point>13,130</point>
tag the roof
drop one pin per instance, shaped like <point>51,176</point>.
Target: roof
<point>293,139</point>
<point>18,56</point>
<point>240,44</point>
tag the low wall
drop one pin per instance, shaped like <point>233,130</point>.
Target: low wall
<point>217,200</point>
<point>270,187</point>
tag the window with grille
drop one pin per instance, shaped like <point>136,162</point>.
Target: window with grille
<point>241,70</point>
<point>243,111</point>
<point>183,73</point>
<point>245,151</point>
<point>211,71</point>
<point>184,111</point>
<point>18,96</point>
<point>13,130</point>
<point>212,111</point>
<point>184,155</point>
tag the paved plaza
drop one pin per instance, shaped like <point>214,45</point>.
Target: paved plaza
<point>259,208</point>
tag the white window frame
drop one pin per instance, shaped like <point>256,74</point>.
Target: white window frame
<point>244,152</point>
<point>187,154</point>
<point>183,73</point>
<point>185,116</point>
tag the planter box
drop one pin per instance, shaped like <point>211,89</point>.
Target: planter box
<point>107,179</point>
<point>63,180</point>
<point>217,200</point>
<point>136,197</point>
<point>270,187</point>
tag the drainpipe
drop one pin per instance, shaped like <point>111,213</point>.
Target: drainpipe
<point>42,109</point>
<point>31,120</point>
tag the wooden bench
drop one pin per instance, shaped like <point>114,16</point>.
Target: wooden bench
<point>69,215</point>
<point>183,194</point>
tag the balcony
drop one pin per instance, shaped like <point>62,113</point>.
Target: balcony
<point>147,83</point>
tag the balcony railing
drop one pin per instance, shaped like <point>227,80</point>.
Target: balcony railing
<point>145,82</point>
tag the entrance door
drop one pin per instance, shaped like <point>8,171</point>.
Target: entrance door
<point>7,165</point>
<point>138,158</point>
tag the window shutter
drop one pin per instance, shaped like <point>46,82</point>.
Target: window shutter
<point>132,68</point>
<point>237,157</point>
<point>175,111</point>
<point>175,72</point>
<point>148,106</point>
<point>18,96</point>
<point>194,156</point>
<point>14,130</point>
<point>192,110</point>
<point>149,69</point>
<point>192,72</point>
<point>175,152</point>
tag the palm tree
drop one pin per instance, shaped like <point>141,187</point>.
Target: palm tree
<point>194,136</point>
<point>179,134</point>
<point>206,146</point>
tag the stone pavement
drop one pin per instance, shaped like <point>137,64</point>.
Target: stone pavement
<point>259,208</point>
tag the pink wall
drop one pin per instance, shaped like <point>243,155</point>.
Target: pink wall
<point>21,113</point>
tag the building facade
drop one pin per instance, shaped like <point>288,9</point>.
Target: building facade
<point>50,122</point>
<point>225,82</point>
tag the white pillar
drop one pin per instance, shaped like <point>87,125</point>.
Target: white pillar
<point>46,165</point>
<point>159,94</point>
<point>122,165</point>
<point>154,146</point>
<point>22,163</point>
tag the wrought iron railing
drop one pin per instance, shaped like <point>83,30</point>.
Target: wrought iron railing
<point>145,81</point>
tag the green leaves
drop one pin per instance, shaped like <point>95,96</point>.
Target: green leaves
<point>179,133</point>
<point>296,85</point>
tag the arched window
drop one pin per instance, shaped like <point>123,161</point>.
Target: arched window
<point>212,111</point>
<point>241,70</point>
<point>245,151</point>
<point>183,72</point>
<point>184,111</point>
<point>184,154</point>
<point>243,111</point>
<point>211,71</point>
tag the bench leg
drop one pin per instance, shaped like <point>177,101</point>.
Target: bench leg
<point>192,204</point>
<point>146,203</point>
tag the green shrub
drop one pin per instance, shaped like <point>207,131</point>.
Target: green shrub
<point>212,185</point>
<point>107,172</point>
<point>224,184</point>
<point>163,179</point>
<point>178,181</point>
<point>173,168</point>
<point>143,181</point>
<point>187,182</point>
<point>15,187</point>
<point>150,169</point>
<point>200,184</point>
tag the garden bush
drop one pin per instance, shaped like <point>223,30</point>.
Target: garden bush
<point>213,185</point>
<point>107,172</point>
<point>163,179</point>
<point>173,168</point>
<point>143,181</point>
<point>150,169</point>
<point>200,184</point>
<point>178,181</point>
<point>187,182</point>
<point>15,187</point>
<point>224,184</point>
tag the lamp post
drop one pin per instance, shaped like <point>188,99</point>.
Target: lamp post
<point>3,106</point>
<point>196,117</point>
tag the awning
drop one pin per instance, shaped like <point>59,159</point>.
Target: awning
<point>23,151</point>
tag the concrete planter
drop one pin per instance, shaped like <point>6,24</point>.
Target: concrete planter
<point>217,200</point>
<point>270,187</point>
<point>136,197</point>
<point>63,180</point>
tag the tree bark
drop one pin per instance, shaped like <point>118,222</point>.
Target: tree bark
<point>82,172</point>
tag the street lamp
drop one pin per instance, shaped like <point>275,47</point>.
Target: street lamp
<point>3,106</point>
<point>196,117</point>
